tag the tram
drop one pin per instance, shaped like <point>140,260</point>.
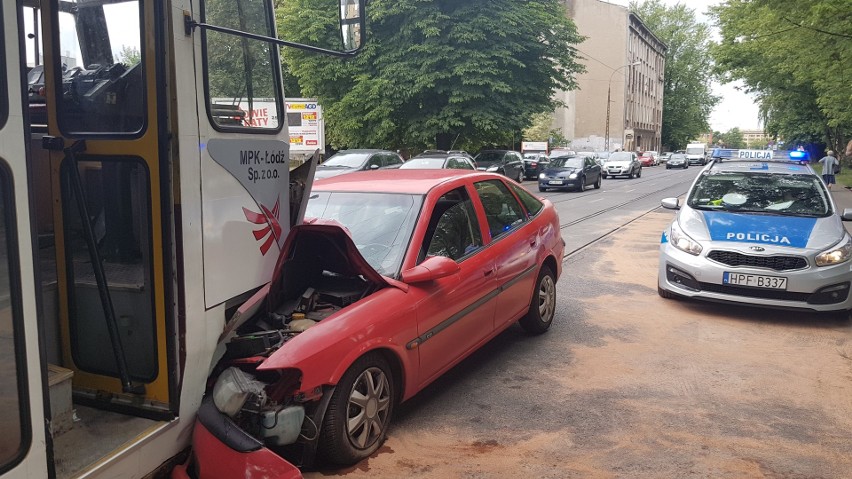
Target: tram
<point>142,201</point>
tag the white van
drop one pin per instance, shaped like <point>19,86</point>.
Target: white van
<point>696,153</point>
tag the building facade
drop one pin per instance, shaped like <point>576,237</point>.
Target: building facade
<point>619,100</point>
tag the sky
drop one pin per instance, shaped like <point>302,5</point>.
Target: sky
<point>736,108</point>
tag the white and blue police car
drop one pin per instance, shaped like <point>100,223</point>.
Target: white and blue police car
<point>758,231</point>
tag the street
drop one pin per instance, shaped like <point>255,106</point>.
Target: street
<point>628,384</point>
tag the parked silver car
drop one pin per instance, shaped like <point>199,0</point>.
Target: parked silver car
<point>758,233</point>
<point>622,163</point>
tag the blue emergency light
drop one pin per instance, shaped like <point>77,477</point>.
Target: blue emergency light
<point>799,155</point>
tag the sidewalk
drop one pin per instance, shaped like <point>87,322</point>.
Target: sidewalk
<point>843,199</point>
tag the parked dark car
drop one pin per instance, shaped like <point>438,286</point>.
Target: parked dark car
<point>505,162</point>
<point>570,172</point>
<point>347,161</point>
<point>436,161</point>
<point>534,163</point>
<point>677,160</point>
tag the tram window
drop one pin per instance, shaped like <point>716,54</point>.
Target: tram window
<point>102,74</point>
<point>14,411</point>
<point>116,193</point>
<point>243,79</point>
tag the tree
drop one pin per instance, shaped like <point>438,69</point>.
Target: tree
<point>541,129</point>
<point>794,55</point>
<point>129,55</point>
<point>733,138</point>
<point>687,97</point>
<point>434,68</point>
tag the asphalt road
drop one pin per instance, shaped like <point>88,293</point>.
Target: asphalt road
<point>627,384</point>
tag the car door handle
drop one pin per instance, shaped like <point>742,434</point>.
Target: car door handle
<point>488,272</point>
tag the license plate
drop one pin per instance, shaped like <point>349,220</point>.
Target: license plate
<point>555,182</point>
<point>755,281</point>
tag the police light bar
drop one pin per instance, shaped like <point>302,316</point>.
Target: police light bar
<point>735,154</point>
<point>799,155</point>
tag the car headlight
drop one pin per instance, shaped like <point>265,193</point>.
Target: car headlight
<point>492,168</point>
<point>232,390</point>
<point>542,176</point>
<point>573,176</point>
<point>836,255</point>
<point>683,242</point>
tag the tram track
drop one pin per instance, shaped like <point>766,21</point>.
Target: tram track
<point>589,216</point>
<point>565,198</point>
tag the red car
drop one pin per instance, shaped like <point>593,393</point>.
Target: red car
<point>648,159</point>
<point>408,273</point>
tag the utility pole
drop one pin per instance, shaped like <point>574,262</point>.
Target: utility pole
<point>608,97</point>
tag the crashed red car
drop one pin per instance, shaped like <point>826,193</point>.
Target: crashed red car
<point>406,274</point>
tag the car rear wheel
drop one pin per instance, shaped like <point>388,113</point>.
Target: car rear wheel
<point>520,178</point>
<point>542,305</point>
<point>639,173</point>
<point>359,412</point>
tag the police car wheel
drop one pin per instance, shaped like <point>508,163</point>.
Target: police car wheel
<point>666,294</point>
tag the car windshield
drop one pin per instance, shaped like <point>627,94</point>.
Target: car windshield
<point>695,151</point>
<point>566,162</point>
<point>677,157</point>
<point>380,223</point>
<point>603,155</point>
<point>620,156</point>
<point>425,163</point>
<point>347,160</point>
<point>791,195</point>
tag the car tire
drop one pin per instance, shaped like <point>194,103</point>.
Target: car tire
<point>542,189</point>
<point>520,178</point>
<point>639,173</point>
<point>582,186</point>
<point>686,166</point>
<point>599,182</point>
<point>369,377</point>
<point>603,176</point>
<point>666,294</point>
<point>542,304</point>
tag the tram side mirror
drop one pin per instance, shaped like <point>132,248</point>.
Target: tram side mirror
<point>353,24</point>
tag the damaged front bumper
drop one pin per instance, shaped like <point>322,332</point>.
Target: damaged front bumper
<point>221,450</point>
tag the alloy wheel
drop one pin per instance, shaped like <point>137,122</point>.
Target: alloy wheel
<point>369,404</point>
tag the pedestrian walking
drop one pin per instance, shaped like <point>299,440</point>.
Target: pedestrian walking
<point>829,165</point>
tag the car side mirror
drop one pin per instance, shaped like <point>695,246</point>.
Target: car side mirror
<point>847,214</point>
<point>670,203</point>
<point>374,167</point>
<point>434,267</point>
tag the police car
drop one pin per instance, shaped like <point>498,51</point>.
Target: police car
<point>758,231</point>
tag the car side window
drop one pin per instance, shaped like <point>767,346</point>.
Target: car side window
<point>391,159</point>
<point>531,203</point>
<point>501,208</point>
<point>453,231</point>
<point>374,160</point>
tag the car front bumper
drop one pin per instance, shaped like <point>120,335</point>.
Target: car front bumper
<point>699,277</point>
<point>564,182</point>
<point>617,171</point>
<point>221,450</point>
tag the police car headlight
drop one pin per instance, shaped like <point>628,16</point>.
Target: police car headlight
<point>573,176</point>
<point>836,255</point>
<point>542,176</point>
<point>683,242</point>
<point>493,168</point>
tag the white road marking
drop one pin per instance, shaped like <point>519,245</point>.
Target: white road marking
<point>595,201</point>
<point>630,191</point>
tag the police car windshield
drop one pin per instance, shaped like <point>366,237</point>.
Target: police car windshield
<point>765,193</point>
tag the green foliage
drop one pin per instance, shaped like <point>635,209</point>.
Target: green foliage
<point>733,138</point>
<point>795,56</point>
<point>687,97</point>
<point>434,67</point>
<point>541,129</point>
<point>129,55</point>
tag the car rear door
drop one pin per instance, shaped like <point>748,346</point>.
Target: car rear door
<point>513,243</point>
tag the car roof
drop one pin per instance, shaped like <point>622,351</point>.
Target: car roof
<point>394,181</point>
<point>757,166</point>
<point>365,150</point>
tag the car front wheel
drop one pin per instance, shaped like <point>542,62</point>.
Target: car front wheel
<point>359,412</point>
<point>598,183</point>
<point>520,176</point>
<point>542,305</point>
